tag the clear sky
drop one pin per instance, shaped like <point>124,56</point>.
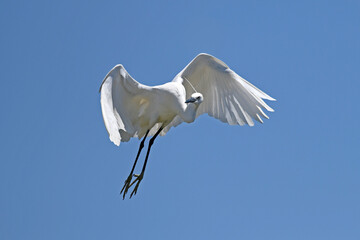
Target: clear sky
<point>297,176</point>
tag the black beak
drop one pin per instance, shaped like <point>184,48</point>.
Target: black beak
<point>190,100</point>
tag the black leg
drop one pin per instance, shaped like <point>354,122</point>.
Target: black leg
<point>128,180</point>
<point>140,177</point>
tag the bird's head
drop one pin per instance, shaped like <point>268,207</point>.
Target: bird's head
<point>195,98</point>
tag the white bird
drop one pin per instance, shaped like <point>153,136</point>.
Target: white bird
<point>205,85</point>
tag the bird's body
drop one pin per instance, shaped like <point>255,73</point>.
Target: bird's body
<point>131,109</point>
<point>168,102</point>
<point>165,102</point>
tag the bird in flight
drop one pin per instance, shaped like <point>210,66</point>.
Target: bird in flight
<point>205,85</point>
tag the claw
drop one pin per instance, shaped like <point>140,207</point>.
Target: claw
<point>135,189</point>
<point>126,186</point>
<point>139,177</point>
<point>137,181</point>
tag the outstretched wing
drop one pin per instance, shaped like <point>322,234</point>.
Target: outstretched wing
<point>227,96</point>
<point>122,99</point>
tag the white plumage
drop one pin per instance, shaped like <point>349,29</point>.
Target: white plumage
<point>130,108</point>
<point>205,85</point>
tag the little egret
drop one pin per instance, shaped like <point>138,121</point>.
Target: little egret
<point>205,85</point>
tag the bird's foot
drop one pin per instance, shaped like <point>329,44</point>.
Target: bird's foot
<point>126,186</point>
<point>137,181</point>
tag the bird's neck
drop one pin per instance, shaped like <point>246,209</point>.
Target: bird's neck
<point>189,114</point>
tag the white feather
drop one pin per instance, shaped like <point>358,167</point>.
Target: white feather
<point>130,109</point>
<point>227,96</point>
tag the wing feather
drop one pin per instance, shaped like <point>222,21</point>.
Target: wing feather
<point>122,100</point>
<point>227,96</point>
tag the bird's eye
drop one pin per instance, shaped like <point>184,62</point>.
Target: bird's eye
<point>198,98</point>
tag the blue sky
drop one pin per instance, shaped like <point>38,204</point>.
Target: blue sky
<point>294,177</point>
